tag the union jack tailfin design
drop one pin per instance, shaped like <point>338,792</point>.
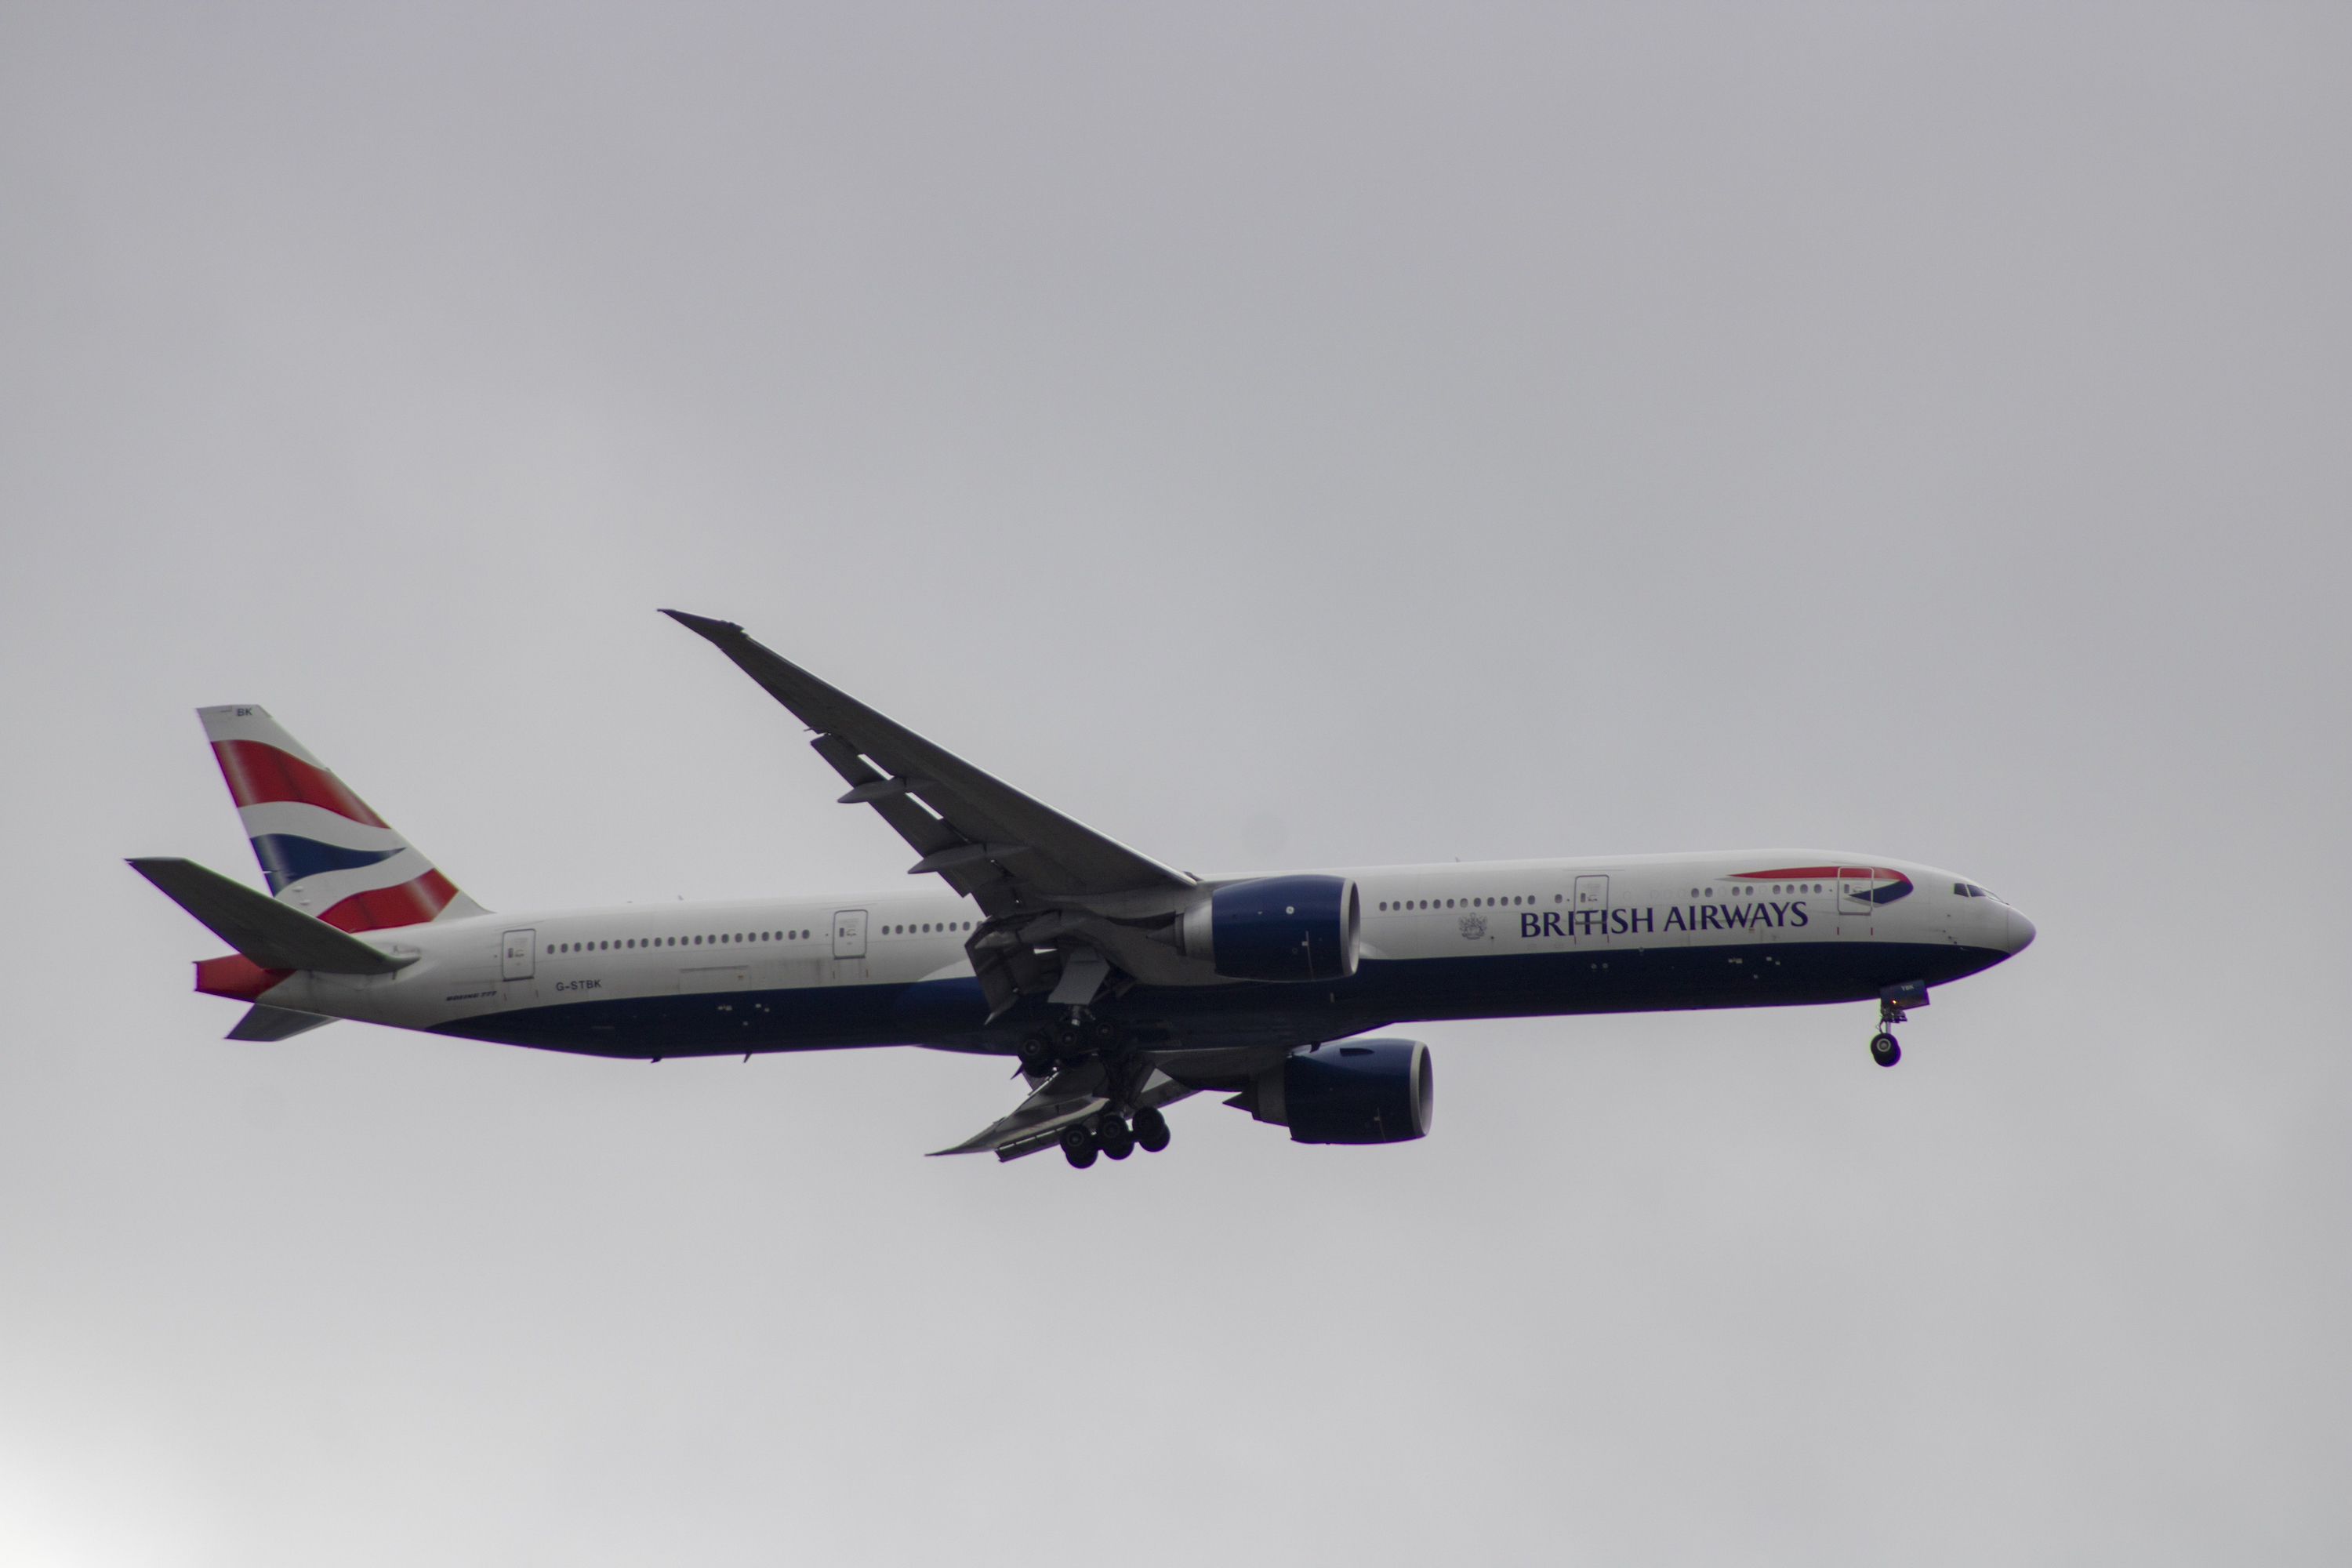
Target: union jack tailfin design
<point>323,849</point>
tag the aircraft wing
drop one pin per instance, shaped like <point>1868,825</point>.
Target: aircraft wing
<point>985,837</point>
<point>1072,1094</point>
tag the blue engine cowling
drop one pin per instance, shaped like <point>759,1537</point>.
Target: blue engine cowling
<point>1350,1091</point>
<point>1275,928</point>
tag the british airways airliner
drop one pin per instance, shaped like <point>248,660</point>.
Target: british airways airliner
<point>1121,986</point>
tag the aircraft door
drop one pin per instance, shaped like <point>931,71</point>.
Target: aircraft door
<point>848,945</point>
<point>1854,890</point>
<point>515,951</point>
<point>849,933</point>
<point>1587,911</point>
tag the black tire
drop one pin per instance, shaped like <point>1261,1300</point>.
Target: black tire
<point>1037,1058</point>
<point>1070,1036</point>
<point>1116,1138</point>
<point>1079,1146</point>
<point>1151,1131</point>
<point>1884,1050</point>
<point>1104,1033</point>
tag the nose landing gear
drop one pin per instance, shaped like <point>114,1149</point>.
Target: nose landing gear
<point>1883,1048</point>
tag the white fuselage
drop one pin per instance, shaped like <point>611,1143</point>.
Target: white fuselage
<point>473,969</point>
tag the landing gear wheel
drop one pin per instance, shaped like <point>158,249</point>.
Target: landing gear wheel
<point>1079,1146</point>
<point>1884,1050</point>
<point>1104,1033</point>
<point>1114,1138</point>
<point>1070,1036</point>
<point>1037,1056</point>
<point>1151,1131</point>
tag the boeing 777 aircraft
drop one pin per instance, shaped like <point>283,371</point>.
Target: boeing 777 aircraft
<point>1120,984</point>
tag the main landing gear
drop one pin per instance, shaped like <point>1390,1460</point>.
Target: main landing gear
<point>1113,1135</point>
<point>1081,1033</point>
<point>1077,1035</point>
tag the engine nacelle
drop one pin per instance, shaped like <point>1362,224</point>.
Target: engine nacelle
<point>1351,1091</point>
<point>1275,928</point>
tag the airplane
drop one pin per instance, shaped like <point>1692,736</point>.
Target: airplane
<point>1118,984</point>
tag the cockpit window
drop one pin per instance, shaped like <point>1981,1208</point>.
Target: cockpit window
<point>1970,891</point>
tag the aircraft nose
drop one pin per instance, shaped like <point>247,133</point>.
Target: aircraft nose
<point>2021,932</point>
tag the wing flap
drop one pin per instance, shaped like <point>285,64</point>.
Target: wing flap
<point>1071,1095</point>
<point>1074,1093</point>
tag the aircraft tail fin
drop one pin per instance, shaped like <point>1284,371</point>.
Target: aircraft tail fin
<point>322,850</point>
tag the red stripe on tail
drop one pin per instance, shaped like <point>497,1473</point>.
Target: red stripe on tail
<point>257,772</point>
<point>237,976</point>
<point>411,903</point>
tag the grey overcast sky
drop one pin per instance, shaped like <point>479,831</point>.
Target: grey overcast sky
<point>1280,435</point>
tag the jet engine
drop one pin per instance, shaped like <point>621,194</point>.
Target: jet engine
<point>1273,927</point>
<point>1353,1091</point>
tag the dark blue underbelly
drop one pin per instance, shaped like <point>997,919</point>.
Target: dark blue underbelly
<point>951,1014</point>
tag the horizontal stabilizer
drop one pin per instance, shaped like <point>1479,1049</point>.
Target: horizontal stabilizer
<point>274,935</point>
<point>264,1022</point>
